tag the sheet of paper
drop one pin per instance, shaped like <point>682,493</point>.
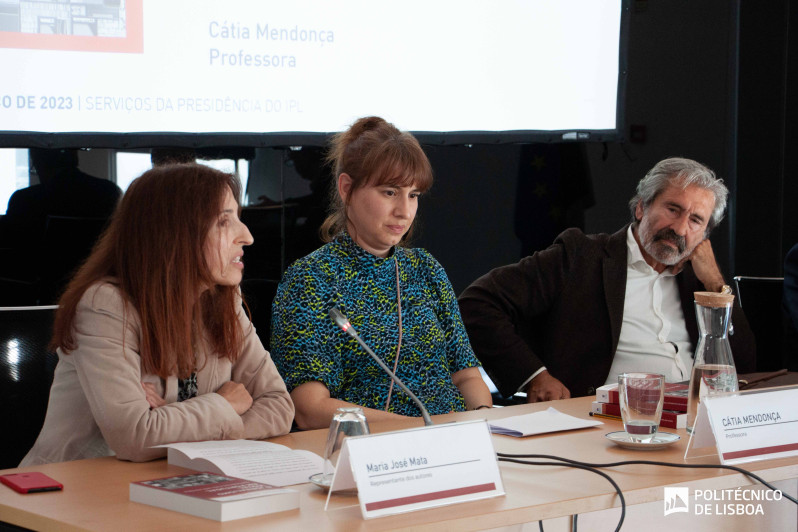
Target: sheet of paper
<point>550,420</point>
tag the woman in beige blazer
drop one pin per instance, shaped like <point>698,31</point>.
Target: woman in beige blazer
<point>153,344</point>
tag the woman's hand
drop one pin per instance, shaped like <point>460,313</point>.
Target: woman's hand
<point>315,408</point>
<point>236,395</point>
<point>153,398</point>
<point>473,388</point>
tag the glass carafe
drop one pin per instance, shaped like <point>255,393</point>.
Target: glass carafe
<point>713,366</point>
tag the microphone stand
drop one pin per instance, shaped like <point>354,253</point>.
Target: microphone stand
<point>341,321</point>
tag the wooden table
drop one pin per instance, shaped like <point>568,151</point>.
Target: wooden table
<point>95,495</point>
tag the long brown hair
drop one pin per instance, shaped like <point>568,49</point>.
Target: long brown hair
<point>373,152</point>
<point>154,247</point>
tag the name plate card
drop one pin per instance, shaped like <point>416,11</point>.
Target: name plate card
<point>420,468</point>
<point>755,425</point>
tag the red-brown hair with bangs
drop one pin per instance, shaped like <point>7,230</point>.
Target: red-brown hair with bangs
<point>154,248</point>
<point>373,152</point>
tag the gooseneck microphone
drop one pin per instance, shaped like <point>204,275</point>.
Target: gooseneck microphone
<point>341,321</point>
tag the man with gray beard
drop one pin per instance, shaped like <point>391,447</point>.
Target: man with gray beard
<point>570,318</point>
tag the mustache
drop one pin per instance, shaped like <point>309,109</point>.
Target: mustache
<point>670,234</point>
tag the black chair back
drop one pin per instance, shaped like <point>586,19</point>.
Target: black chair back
<point>26,373</point>
<point>760,298</point>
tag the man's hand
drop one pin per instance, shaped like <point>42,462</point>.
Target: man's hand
<point>544,387</point>
<point>705,267</point>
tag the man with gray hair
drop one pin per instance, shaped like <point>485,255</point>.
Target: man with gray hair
<point>574,316</point>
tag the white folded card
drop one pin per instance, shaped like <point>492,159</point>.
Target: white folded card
<point>748,426</point>
<point>419,468</point>
<point>550,420</point>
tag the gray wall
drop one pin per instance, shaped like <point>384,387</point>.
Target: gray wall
<point>466,219</point>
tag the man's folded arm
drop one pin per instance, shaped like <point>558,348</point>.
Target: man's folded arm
<point>497,305</point>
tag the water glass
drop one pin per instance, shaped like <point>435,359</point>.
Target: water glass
<point>641,396</point>
<point>347,421</point>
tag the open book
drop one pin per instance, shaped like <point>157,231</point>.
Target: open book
<point>260,461</point>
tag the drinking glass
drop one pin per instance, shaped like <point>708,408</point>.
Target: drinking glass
<point>641,397</point>
<point>347,421</point>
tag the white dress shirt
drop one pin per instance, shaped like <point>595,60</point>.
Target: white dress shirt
<point>654,336</point>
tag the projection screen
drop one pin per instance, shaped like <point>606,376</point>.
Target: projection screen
<point>129,73</point>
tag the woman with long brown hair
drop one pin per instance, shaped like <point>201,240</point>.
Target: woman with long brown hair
<point>153,344</point>
<point>397,297</point>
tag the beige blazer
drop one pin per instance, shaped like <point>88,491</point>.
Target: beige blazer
<point>97,405</point>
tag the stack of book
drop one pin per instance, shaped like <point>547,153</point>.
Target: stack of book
<point>236,479</point>
<point>214,496</point>
<point>674,410</point>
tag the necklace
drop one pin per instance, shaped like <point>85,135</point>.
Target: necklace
<point>399,346</point>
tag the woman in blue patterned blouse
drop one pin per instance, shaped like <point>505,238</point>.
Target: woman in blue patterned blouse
<point>399,299</point>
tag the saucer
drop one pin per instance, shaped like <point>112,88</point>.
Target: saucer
<point>320,480</point>
<point>660,441</point>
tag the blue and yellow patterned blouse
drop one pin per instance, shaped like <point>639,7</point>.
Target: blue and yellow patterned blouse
<point>308,346</point>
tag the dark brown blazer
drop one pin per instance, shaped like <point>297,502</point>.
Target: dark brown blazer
<point>563,308</point>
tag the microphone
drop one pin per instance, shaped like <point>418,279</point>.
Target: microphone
<point>341,321</point>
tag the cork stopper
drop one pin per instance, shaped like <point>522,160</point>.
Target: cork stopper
<point>713,299</point>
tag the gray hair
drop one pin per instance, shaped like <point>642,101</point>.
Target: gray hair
<point>681,172</point>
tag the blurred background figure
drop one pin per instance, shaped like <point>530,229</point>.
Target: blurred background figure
<point>50,227</point>
<point>161,156</point>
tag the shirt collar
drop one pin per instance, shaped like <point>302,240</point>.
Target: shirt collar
<point>351,249</point>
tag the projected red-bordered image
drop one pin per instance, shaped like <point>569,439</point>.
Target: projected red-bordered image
<point>75,25</point>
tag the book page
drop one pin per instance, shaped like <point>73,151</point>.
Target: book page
<point>278,468</point>
<point>264,462</point>
<point>210,449</point>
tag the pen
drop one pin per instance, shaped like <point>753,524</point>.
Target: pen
<point>594,414</point>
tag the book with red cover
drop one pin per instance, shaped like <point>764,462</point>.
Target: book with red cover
<point>675,395</point>
<point>213,496</point>
<point>670,419</point>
